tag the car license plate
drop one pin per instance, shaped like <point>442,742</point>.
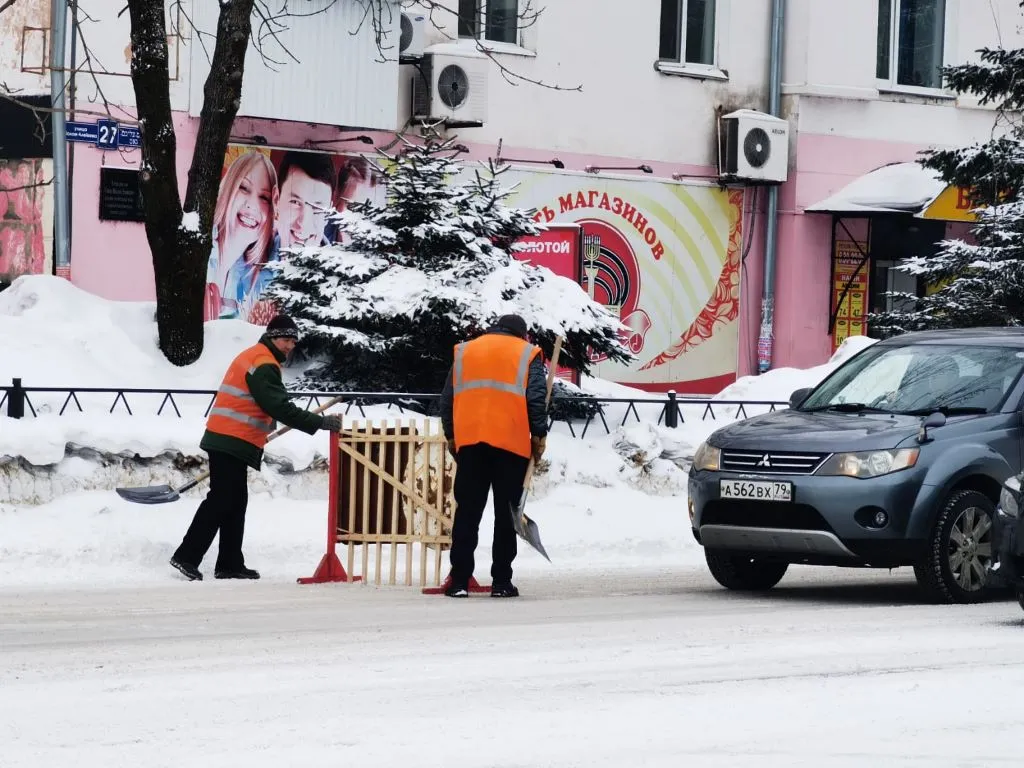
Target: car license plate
<point>756,490</point>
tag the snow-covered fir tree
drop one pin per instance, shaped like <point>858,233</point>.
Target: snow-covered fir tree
<point>982,281</point>
<point>429,268</point>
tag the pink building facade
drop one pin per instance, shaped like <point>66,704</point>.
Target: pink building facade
<point>633,158</point>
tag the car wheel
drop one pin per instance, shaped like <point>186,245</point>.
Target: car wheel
<point>745,574</point>
<point>952,569</point>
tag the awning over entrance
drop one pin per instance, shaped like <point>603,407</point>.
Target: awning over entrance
<point>897,188</point>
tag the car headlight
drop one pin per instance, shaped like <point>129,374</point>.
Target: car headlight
<point>864,464</point>
<point>1009,498</point>
<point>707,458</point>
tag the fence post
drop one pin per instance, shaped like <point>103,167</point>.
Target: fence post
<point>16,400</point>
<point>671,411</point>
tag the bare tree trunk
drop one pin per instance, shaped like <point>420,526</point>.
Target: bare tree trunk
<point>181,252</point>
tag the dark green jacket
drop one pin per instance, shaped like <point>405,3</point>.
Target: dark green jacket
<point>268,391</point>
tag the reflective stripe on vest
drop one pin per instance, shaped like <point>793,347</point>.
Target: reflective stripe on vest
<point>243,394</point>
<point>518,388</point>
<point>260,424</point>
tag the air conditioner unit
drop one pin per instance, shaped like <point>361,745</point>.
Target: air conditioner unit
<point>414,37</point>
<point>451,85</point>
<point>754,147</point>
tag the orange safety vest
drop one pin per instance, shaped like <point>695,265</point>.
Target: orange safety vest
<point>489,387</point>
<point>235,412</point>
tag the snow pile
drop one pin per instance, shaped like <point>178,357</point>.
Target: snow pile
<point>56,335</point>
<point>779,383</point>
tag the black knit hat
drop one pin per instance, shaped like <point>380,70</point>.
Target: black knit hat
<point>513,324</point>
<point>282,327</point>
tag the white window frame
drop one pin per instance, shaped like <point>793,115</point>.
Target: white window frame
<point>711,71</point>
<point>523,46</point>
<point>949,52</point>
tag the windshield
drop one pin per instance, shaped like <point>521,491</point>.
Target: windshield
<point>922,378</point>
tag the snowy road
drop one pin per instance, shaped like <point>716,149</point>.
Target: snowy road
<point>662,669</point>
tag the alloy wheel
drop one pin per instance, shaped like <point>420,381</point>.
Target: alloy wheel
<point>970,548</point>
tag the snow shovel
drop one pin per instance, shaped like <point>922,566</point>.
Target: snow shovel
<point>163,494</point>
<point>526,528</point>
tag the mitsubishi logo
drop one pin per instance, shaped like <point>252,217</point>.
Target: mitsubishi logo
<point>765,461</point>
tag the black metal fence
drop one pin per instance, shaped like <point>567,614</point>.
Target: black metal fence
<point>671,410</point>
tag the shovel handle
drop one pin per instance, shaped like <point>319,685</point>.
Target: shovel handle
<point>197,480</point>
<point>528,480</point>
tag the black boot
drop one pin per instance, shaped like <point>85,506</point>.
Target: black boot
<point>507,589</point>
<point>237,573</point>
<point>456,590</point>
<point>190,572</point>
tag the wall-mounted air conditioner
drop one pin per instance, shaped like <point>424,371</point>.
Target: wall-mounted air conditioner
<point>754,147</point>
<point>414,37</point>
<point>450,85</point>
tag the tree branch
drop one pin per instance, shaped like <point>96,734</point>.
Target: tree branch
<point>150,75</point>
<point>33,185</point>
<point>222,96</point>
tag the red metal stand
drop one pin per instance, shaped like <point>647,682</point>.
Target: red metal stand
<point>474,586</point>
<point>330,568</point>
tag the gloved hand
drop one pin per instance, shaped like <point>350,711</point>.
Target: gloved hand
<point>538,444</point>
<point>449,444</point>
<point>332,422</point>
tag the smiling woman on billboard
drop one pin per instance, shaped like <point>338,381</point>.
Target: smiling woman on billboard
<point>271,201</point>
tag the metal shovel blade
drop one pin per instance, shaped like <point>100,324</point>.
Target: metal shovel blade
<point>527,530</point>
<point>156,494</point>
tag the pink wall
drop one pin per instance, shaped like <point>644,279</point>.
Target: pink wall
<point>112,259</point>
<point>824,165</point>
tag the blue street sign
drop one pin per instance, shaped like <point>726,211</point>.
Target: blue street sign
<point>80,132</point>
<point>129,136</point>
<point>107,131</point>
<point>104,134</point>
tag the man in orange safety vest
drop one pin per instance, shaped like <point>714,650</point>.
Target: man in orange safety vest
<point>494,415</point>
<point>250,399</point>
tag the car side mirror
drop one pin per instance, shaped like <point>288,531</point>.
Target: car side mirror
<point>930,421</point>
<point>799,396</point>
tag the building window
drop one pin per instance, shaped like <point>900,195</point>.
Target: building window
<point>911,42</point>
<point>494,20</point>
<point>688,32</point>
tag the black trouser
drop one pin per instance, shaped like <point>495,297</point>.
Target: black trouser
<point>223,509</point>
<point>482,468</point>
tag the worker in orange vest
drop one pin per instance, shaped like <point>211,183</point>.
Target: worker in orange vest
<point>250,399</point>
<point>494,415</point>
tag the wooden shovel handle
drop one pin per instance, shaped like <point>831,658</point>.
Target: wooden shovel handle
<point>528,480</point>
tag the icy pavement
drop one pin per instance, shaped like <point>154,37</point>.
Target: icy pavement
<point>625,668</point>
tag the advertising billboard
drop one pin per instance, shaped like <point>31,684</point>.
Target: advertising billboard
<point>269,200</point>
<point>663,256</point>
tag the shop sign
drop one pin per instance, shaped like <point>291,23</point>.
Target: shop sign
<point>851,317</point>
<point>558,248</point>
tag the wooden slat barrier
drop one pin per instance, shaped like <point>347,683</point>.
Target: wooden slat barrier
<point>390,504</point>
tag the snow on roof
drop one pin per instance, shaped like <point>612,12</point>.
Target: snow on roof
<point>895,188</point>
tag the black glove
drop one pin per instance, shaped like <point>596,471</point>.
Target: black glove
<point>332,422</point>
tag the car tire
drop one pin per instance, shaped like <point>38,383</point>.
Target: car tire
<point>743,574</point>
<point>961,537</point>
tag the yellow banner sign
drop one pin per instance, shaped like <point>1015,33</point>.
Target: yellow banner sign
<point>952,204</point>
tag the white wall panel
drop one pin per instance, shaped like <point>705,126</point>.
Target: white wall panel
<point>324,67</point>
